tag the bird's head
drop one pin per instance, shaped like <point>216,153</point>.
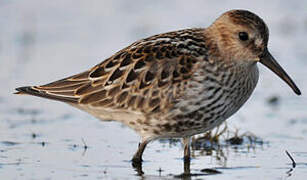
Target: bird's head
<point>242,36</point>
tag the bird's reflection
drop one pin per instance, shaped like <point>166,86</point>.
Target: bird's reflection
<point>137,166</point>
<point>185,175</point>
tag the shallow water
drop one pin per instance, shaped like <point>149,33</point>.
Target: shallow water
<point>42,41</point>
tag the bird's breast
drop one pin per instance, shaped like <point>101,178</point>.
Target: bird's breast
<point>214,94</point>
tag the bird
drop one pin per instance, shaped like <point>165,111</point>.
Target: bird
<point>175,84</point>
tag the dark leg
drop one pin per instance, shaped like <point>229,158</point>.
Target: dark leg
<point>137,158</point>
<point>186,168</point>
<point>187,152</point>
<point>187,156</point>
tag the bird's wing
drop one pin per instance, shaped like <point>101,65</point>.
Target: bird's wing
<point>147,76</point>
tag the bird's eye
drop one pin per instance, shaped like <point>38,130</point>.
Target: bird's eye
<point>243,36</point>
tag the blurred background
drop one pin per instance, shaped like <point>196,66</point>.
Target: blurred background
<point>42,41</point>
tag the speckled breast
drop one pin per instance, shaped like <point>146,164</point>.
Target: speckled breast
<point>215,93</point>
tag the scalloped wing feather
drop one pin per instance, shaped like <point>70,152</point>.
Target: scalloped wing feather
<point>147,76</point>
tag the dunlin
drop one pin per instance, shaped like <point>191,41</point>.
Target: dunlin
<point>175,84</point>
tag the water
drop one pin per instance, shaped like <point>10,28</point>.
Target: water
<point>42,41</point>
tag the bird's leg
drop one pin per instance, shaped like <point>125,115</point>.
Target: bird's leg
<point>137,158</point>
<point>187,151</point>
<point>186,168</point>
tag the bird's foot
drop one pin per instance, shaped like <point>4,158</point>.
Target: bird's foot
<point>136,162</point>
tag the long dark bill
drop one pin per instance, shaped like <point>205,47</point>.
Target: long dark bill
<point>268,60</point>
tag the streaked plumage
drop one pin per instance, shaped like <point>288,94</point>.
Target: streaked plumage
<point>175,84</point>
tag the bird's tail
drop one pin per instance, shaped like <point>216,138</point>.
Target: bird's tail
<point>62,90</point>
<point>31,90</point>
